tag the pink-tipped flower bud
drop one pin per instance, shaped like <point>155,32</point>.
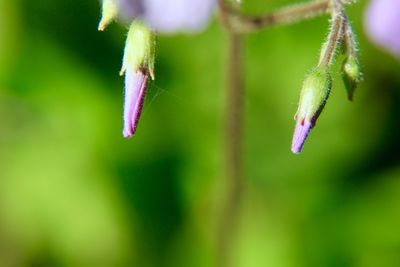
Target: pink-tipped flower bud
<point>138,66</point>
<point>314,94</point>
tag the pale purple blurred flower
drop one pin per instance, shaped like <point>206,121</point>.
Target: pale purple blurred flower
<point>382,23</point>
<point>135,91</point>
<point>169,16</point>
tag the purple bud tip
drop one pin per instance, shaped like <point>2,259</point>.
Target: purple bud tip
<point>135,92</point>
<point>303,128</point>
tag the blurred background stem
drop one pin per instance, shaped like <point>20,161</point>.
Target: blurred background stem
<point>234,138</point>
<point>233,143</point>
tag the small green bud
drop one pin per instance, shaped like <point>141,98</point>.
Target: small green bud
<point>110,12</point>
<point>352,75</point>
<point>139,49</point>
<point>315,92</point>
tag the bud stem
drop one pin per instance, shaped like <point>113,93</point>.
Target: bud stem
<point>335,35</point>
<point>349,38</point>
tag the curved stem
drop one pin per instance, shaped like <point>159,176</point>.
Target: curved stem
<point>335,35</point>
<point>286,15</point>
<point>236,21</point>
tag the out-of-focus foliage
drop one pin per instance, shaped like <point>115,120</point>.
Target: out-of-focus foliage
<point>73,192</point>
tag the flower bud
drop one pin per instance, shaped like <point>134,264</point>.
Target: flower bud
<point>314,94</point>
<point>138,65</point>
<point>139,49</point>
<point>352,75</point>
<point>110,12</point>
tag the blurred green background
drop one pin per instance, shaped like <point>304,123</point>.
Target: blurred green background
<point>73,192</point>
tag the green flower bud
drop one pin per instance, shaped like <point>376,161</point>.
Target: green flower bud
<point>352,75</point>
<point>138,66</point>
<point>139,49</point>
<point>314,94</point>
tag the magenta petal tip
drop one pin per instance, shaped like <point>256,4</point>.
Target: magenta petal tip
<point>301,132</point>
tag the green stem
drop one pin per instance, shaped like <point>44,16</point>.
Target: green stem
<point>235,20</point>
<point>234,142</point>
<point>335,35</point>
